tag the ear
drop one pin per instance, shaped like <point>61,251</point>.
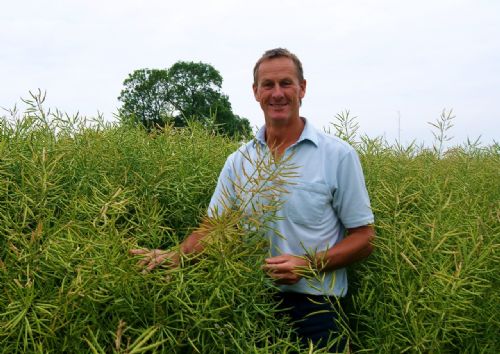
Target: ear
<point>302,86</point>
<point>254,88</point>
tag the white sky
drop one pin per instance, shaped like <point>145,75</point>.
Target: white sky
<point>379,59</point>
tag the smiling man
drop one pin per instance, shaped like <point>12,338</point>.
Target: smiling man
<point>279,90</point>
<point>328,211</point>
<point>325,221</point>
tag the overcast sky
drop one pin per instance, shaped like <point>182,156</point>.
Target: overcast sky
<point>394,64</point>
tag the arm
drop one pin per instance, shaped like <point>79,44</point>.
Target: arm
<point>191,245</point>
<point>351,204</point>
<point>357,245</point>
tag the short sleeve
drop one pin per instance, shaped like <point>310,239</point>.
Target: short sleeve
<point>224,191</point>
<point>350,199</point>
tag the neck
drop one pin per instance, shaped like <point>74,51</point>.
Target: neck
<point>280,137</point>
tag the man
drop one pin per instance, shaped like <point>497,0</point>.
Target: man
<point>325,220</point>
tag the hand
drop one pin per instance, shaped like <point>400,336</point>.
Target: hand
<point>154,258</point>
<point>286,269</point>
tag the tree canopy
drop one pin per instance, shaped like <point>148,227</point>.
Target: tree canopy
<point>185,91</point>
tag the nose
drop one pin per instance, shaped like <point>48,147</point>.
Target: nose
<point>277,91</point>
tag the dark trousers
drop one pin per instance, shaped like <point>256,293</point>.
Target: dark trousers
<point>316,318</point>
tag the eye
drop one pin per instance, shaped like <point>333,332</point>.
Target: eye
<point>267,84</point>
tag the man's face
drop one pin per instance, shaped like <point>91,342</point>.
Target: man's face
<point>278,90</point>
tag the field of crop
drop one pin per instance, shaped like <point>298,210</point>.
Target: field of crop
<point>75,197</point>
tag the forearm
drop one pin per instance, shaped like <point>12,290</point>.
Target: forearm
<point>357,245</point>
<point>193,243</point>
<point>152,258</point>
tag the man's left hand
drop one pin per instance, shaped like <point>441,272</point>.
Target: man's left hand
<point>286,269</point>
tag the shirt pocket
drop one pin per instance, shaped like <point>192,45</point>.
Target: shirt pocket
<point>308,202</point>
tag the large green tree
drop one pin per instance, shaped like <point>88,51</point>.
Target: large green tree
<point>185,91</point>
<point>145,97</point>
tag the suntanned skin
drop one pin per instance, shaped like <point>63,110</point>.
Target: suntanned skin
<point>357,245</point>
<point>191,245</point>
<point>279,93</point>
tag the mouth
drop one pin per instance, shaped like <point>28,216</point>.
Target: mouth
<point>278,105</point>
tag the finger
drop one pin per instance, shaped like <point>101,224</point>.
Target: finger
<point>276,271</point>
<point>271,268</point>
<point>143,261</point>
<point>274,275</point>
<point>283,265</point>
<point>152,265</point>
<point>276,260</point>
<point>284,278</point>
<point>138,251</point>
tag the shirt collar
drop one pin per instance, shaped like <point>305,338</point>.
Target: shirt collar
<point>308,133</point>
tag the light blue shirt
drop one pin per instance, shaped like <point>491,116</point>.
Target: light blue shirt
<point>326,196</point>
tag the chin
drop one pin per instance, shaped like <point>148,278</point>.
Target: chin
<point>278,121</point>
<point>281,116</point>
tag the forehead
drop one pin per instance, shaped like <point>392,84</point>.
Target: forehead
<point>277,68</point>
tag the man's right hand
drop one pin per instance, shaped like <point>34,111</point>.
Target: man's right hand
<point>154,258</point>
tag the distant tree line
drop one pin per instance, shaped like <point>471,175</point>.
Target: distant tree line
<point>185,91</point>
